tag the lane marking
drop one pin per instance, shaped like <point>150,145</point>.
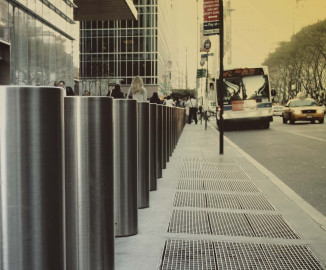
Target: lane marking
<point>303,135</point>
<point>312,212</point>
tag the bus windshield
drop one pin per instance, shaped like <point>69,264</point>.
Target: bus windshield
<point>247,87</point>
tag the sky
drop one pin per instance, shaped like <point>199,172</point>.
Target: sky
<point>257,27</point>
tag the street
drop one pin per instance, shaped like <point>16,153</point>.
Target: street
<point>294,153</point>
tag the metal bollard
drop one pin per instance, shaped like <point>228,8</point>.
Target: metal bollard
<point>89,183</point>
<point>159,140</point>
<point>165,155</point>
<point>153,146</point>
<point>32,178</point>
<point>143,155</point>
<point>125,166</point>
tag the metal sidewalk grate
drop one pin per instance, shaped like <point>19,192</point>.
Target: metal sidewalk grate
<point>188,255</point>
<point>189,199</point>
<point>222,201</point>
<point>233,224</point>
<point>190,184</point>
<point>272,226</point>
<point>290,257</point>
<point>220,167</point>
<point>217,185</point>
<point>231,255</point>
<point>224,175</point>
<point>193,222</point>
<point>193,174</point>
<point>254,202</point>
<point>239,186</point>
<point>231,186</point>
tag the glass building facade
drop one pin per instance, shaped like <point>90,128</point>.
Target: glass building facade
<point>119,50</point>
<point>40,34</point>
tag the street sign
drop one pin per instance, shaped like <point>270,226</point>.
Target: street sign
<point>211,17</point>
<point>205,55</point>
<point>207,45</point>
<point>201,73</point>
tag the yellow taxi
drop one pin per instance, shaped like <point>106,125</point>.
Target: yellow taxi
<point>302,109</point>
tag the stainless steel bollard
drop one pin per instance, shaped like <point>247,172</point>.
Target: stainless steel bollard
<point>125,166</point>
<point>143,154</point>
<point>89,183</point>
<point>32,178</point>
<point>159,140</point>
<point>153,146</point>
<point>165,155</point>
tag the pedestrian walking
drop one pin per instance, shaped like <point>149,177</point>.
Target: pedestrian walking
<point>192,104</point>
<point>137,89</point>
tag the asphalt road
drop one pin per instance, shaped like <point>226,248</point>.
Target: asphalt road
<point>296,154</point>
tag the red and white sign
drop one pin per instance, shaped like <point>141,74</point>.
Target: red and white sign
<point>211,10</point>
<point>211,17</point>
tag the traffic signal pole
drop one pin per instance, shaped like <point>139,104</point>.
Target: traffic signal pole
<point>221,92</point>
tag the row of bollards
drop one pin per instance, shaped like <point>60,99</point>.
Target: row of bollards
<point>73,173</point>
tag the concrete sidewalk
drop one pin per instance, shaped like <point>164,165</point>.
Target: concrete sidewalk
<point>222,212</point>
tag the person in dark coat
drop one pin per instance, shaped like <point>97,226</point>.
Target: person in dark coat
<point>116,92</point>
<point>155,99</point>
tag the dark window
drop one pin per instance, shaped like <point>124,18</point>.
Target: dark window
<point>111,44</point>
<point>99,24</point>
<point>142,67</point>
<point>129,68</point>
<point>123,68</point>
<point>99,44</point>
<point>105,45</point>
<point>141,44</point>
<point>105,69</point>
<point>123,24</point>
<point>111,68</point>
<point>94,24</point>
<point>105,24</point>
<point>148,68</point>
<point>94,45</point>
<point>136,68</point>
<point>129,80</point>
<point>88,45</point>
<point>111,24</point>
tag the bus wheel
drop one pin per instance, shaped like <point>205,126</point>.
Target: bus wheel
<point>321,121</point>
<point>265,125</point>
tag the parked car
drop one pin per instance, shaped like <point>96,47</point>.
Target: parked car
<point>277,110</point>
<point>302,109</point>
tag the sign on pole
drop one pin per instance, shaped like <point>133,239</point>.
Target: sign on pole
<point>211,17</point>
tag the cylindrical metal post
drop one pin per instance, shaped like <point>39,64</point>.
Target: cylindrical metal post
<point>159,140</point>
<point>32,178</point>
<point>143,154</point>
<point>125,166</point>
<point>89,183</point>
<point>165,155</point>
<point>153,146</point>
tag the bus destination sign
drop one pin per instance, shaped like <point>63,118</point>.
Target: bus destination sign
<point>240,72</point>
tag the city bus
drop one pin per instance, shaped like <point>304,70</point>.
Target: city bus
<point>247,97</point>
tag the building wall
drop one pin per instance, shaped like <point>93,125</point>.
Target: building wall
<point>117,51</point>
<point>41,41</point>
